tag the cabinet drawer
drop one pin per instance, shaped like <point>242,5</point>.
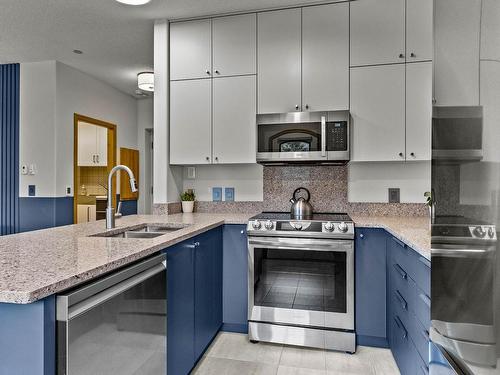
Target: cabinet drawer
<point>423,367</point>
<point>401,345</point>
<point>400,306</point>
<point>422,273</point>
<point>420,337</point>
<point>401,281</point>
<point>401,254</point>
<point>422,307</point>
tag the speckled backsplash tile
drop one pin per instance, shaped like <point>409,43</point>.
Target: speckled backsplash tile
<point>229,207</point>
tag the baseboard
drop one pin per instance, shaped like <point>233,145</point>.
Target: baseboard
<point>376,342</point>
<point>234,327</point>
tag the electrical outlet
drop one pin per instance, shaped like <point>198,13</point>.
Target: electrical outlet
<point>217,194</point>
<point>24,169</point>
<point>191,173</point>
<point>68,191</point>
<point>394,195</point>
<point>31,190</point>
<point>229,194</point>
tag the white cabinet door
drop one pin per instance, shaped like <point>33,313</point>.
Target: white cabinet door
<point>325,57</point>
<point>378,113</point>
<point>456,62</point>
<point>190,122</point>
<point>234,115</point>
<point>190,50</point>
<point>234,41</point>
<point>419,32</point>
<point>86,144</point>
<point>279,61</point>
<point>418,111</point>
<point>377,32</point>
<point>102,146</point>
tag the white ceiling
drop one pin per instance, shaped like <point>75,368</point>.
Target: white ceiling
<point>116,39</point>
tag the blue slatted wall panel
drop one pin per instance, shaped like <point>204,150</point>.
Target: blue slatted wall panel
<point>9,148</point>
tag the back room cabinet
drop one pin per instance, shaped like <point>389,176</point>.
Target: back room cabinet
<point>92,145</point>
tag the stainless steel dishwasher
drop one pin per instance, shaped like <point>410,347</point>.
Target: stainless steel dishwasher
<point>115,325</point>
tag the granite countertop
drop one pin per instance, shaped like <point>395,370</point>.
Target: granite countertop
<point>413,231</point>
<point>34,265</point>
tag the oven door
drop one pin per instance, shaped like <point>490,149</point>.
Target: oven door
<point>301,282</point>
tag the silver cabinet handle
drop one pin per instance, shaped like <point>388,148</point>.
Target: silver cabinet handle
<point>401,271</point>
<point>401,327</point>
<point>323,136</point>
<point>296,107</point>
<point>307,106</point>
<point>216,158</point>
<point>401,56</point>
<point>207,158</point>
<point>242,232</point>
<point>401,300</point>
<point>93,158</point>
<point>97,157</point>
<point>207,71</point>
<point>412,154</point>
<point>401,155</point>
<point>217,71</point>
<point>413,54</point>
<point>361,236</point>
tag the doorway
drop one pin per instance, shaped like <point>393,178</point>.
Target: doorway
<point>94,157</point>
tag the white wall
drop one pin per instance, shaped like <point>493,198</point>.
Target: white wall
<point>37,126</point>
<point>144,121</point>
<point>245,178</point>
<point>368,182</point>
<point>51,92</point>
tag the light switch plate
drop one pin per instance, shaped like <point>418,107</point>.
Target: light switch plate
<point>216,194</point>
<point>24,169</point>
<point>31,190</point>
<point>394,195</point>
<point>229,194</point>
<point>68,191</point>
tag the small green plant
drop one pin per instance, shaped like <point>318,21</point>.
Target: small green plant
<point>188,196</point>
<point>428,195</point>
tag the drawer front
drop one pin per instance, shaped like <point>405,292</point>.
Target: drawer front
<point>422,273</point>
<point>400,306</point>
<point>401,345</point>
<point>401,253</point>
<point>420,337</point>
<point>422,307</point>
<point>401,281</point>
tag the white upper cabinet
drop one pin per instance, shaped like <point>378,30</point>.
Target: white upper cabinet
<point>378,113</point>
<point>190,121</point>
<point>456,63</point>
<point>279,61</point>
<point>325,57</point>
<point>234,128</point>
<point>419,35</point>
<point>418,110</point>
<point>377,32</point>
<point>190,50</point>
<point>102,146</point>
<point>234,45</point>
<point>92,145</point>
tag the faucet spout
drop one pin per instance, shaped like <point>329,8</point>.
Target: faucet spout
<point>110,211</point>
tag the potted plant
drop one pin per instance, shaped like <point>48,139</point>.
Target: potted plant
<point>187,199</point>
<point>431,203</point>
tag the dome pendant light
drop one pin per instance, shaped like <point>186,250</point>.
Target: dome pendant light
<point>146,81</point>
<point>134,2</point>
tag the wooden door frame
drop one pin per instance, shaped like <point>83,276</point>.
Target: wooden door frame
<point>112,147</point>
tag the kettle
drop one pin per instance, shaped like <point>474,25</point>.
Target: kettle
<point>301,208</point>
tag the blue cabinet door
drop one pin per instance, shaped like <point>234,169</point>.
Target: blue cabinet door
<point>180,308</point>
<point>235,279</point>
<point>371,284</point>
<point>208,289</point>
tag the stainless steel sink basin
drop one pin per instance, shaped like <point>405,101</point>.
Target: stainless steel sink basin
<point>142,231</point>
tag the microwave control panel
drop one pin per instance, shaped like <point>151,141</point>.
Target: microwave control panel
<point>337,136</point>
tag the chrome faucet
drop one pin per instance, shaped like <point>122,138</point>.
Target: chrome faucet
<point>110,211</point>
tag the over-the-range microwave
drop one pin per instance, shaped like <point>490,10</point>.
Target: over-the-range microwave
<point>303,137</point>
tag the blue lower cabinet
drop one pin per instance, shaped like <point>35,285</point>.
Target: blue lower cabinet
<point>235,279</point>
<point>180,308</point>
<point>208,289</point>
<point>371,286</point>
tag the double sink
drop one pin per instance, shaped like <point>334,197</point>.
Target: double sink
<point>144,231</point>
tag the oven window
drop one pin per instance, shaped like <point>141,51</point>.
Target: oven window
<point>300,137</point>
<point>298,279</point>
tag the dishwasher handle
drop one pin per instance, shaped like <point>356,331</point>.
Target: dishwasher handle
<point>66,312</point>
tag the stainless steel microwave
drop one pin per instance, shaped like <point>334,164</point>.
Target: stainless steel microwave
<point>303,137</point>
<point>457,134</point>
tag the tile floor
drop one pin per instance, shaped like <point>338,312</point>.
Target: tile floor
<point>233,354</point>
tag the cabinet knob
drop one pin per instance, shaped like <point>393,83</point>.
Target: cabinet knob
<point>216,158</point>
<point>207,158</point>
<point>207,71</point>
<point>297,107</point>
<point>242,232</point>
<point>197,244</point>
<point>412,154</point>
<point>401,55</point>
<point>217,71</point>
<point>413,54</point>
<point>307,106</point>
<point>361,235</point>
<point>401,154</point>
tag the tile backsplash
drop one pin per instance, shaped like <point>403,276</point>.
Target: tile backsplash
<point>94,179</point>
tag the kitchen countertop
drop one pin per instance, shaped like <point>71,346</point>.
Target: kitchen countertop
<point>34,265</point>
<point>413,231</point>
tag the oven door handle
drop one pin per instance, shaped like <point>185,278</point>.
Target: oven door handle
<point>301,244</point>
<point>461,251</point>
<point>323,136</point>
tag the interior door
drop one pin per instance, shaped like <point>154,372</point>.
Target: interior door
<point>190,50</point>
<point>234,45</point>
<point>234,130</point>
<point>325,57</point>
<point>418,111</point>
<point>419,30</point>
<point>378,113</point>
<point>190,121</point>
<point>279,61</point>
<point>377,32</point>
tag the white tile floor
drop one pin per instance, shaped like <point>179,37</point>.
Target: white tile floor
<point>233,354</point>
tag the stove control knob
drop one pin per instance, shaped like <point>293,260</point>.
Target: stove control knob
<point>329,227</point>
<point>491,232</point>
<point>479,232</point>
<point>256,224</point>
<point>343,227</point>
<point>268,225</point>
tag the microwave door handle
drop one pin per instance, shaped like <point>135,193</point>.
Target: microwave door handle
<point>323,136</point>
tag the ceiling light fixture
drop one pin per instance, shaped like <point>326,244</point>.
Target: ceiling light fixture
<point>146,81</point>
<point>134,2</point>
<point>77,51</point>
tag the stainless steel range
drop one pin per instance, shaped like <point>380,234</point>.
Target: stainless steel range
<point>301,280</point>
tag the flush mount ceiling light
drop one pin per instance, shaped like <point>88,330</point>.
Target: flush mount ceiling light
<point>134,2</point>
<point>146,81</point>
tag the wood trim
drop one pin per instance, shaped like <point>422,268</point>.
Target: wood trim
<point>130,158</point>
<point>112,146</point>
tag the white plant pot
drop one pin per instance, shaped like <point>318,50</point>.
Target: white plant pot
<point>187,206</point>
